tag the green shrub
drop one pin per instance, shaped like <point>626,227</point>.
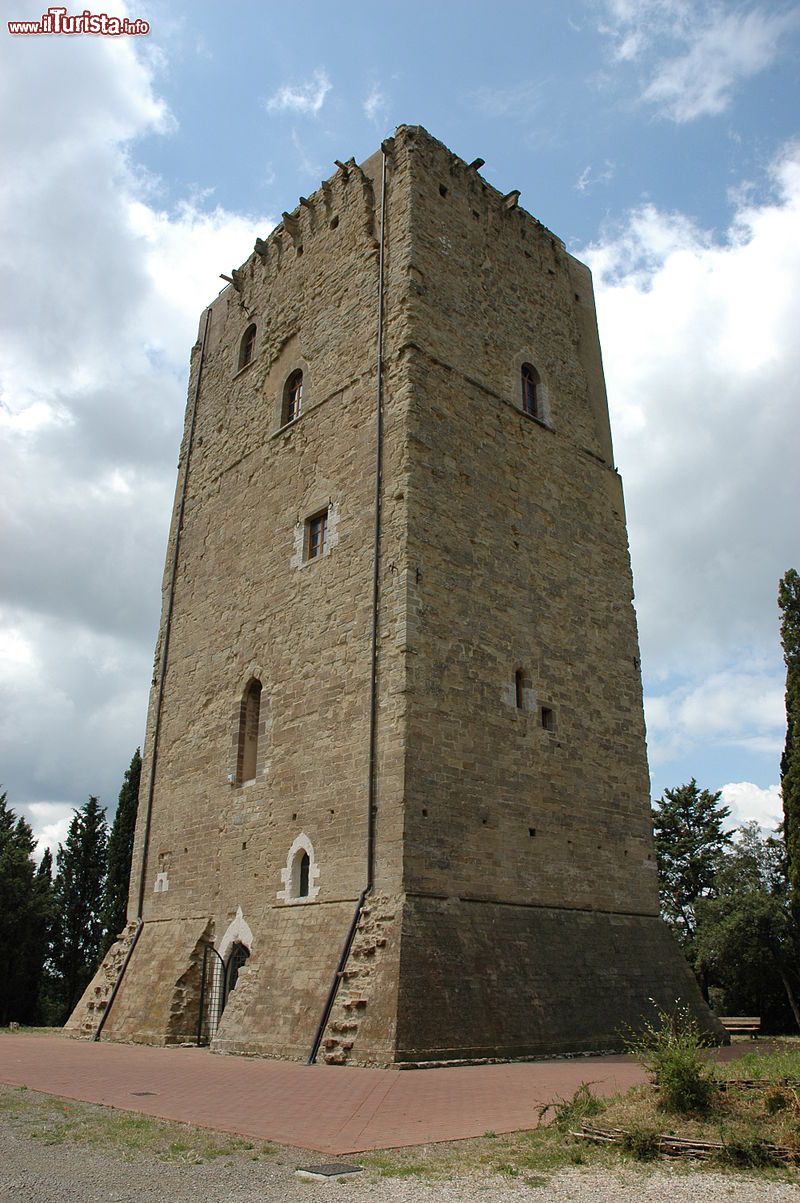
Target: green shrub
<point>671,1049</point>
<point>568,1113</point>
<point>748,1153</point>
<point>641,1142</point>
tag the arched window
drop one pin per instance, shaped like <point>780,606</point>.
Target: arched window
<point>531,385</point>
<point>301,875</point>
<point>292,398</point>
<point>249,727</point>
<point>247,347</point>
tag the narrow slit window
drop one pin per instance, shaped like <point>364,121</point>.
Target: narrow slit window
<point>530,391</point>
<point>519,687</point>
<point>247,347</point>
<point>249,731</point>
<point>292,398</point>
<point>317,535</point>
<point>303,871</point>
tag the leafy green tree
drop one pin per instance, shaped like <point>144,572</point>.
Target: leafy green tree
<point>120,854</point>
<point>746,933</point>
<point>789,604</point>
<point>24,914</point>
<point>690,845</point>
<point>78,895</point>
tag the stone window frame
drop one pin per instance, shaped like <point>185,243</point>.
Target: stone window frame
<point>528,359</point>
<point>238,721</point>
<point>247,348</point>
<point>290,873</point>
<point>302,532</point>
<point>519,693</point>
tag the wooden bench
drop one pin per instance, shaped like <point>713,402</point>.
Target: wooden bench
<point>741,1025</point>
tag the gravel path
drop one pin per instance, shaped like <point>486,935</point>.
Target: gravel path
<point>35,1172</point>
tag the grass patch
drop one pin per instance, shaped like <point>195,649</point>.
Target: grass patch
<point>53,1121</point>
<point>774,1065</point>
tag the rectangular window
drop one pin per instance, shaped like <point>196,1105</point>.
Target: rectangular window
<point>317,535</point>
<point>548,719</point>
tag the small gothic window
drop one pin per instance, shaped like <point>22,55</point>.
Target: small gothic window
<point>300,876</point>
<point>249,723</point>
<point>316,535</point>
<point>247,347</point>
<point>292,398</point>
<point>530,391</point>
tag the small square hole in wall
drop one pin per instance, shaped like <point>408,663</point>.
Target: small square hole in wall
<point>334,222</point>
<point>424,813</point>
<point>442,190</point>
<point>531,832</point>
<point>294,818</point>
<point>548,718</point>
<point>300,250</point>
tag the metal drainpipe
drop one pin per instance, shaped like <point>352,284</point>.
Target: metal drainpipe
<point>161,675</point>
<point>373,699</point>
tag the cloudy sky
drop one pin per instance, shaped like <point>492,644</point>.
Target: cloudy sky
<point>659,138</point>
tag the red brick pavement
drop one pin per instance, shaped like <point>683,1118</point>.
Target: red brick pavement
<point>326,1108</point>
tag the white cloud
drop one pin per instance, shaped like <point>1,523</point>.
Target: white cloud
<point>693,54</point>
<point>305,98</point>
<point>730,48</point>
<point>590,178</point>
<point>702,360</point>
<point>50,822</point>
<point>103,290</point>
<point>375,106</point>
<point>749,802</point>
<point>734,708</point>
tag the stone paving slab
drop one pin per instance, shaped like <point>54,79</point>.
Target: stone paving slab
<point>326,1108</point>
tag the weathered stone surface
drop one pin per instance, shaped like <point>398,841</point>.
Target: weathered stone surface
<point>514,906</point>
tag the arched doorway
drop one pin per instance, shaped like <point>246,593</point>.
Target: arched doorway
<point>238,956</point>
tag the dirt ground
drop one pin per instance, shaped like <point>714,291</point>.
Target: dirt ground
<point>59,1151</point>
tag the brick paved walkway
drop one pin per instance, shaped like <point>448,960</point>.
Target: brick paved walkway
<point>320,1107</point>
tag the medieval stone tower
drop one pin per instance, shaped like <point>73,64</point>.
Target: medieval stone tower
<point>395,767</point>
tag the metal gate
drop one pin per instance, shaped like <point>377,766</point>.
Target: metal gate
<point>218,978</point>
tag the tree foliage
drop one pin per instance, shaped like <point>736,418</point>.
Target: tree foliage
<point>690,845</point>
<point>746,932</point>
<point>25,911</point>
<point>789,604</point>
<point>120,854</point>
<point>78,891</point>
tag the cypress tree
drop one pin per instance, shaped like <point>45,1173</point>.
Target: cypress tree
<point>78,896</point>
<point>120,854</point>
<point>24,909</point>
<point>789,603</point>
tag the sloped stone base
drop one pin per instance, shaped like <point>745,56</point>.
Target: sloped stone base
<point>480,980</point>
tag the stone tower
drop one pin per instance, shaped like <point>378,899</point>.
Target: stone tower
<point>395,767</point>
